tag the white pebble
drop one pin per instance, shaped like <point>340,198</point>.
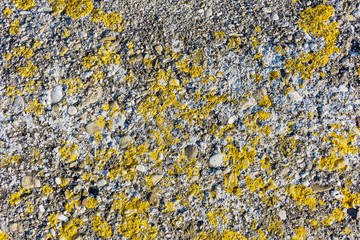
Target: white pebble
<point>72,110</point>
<point>282,214</point>
<point>41,208</point>
<point>275,17</point>
<point>18,105</point>
<point>141,168</point>
<point>216,160</point>
<point>62,218</point>
<point>208,12</point>
<point>58,181</point>
<point>231,120</point>
<point>343,88</point>
<point>57,94</point>
<point>294,96</point>
<point>101,183</point>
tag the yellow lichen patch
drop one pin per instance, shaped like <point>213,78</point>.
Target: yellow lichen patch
<point>234,43</point>
<point>104,57</point>
<point>7,12</point>
<point>27,71</point>
<point>69,230</point>
<point>35,107</point>
<point>73,84</point>
<point>350,200</point>
<point>300,233</point>
<point>111,20</point>
<point>265,102</point>
<point>7,159</point>
<point>274,75</point>
<point>3,236</point>
<point>14,27</point>
<point>24,4</point>
<point>47,190</point>
<point>302,195</point>
<point>66,33</point>
<point>73,8</point>
<point>313,20</point>
<point>257,77</point>
<point>91,203</point>
<point>68,152</point>
<point>341,146</point>
<point>133,218</point>
<point>102,227</point>
<point>53,220</point>
<point>217,217</point>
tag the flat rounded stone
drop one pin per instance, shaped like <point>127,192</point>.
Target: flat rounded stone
<point>216,160</point>
<point>57,94</point>
<point>18,105</point>
<point>92,128</point>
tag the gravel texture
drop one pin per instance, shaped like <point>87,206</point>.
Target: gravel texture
<point>179,119</point>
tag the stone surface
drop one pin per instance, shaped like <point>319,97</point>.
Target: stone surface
<point>208,12</point>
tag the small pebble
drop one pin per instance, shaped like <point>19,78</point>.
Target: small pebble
<point>141,168</point>
<point>18,105</point>
<point>275,17</point>
<point>92,127</point>
<point>208,12</point>
<point>57,94</point>
<point>101,183</point>
<point>216,160</point>
<point>125,141</point>
<point>191,151</point>
<point>72,110</point>
<point>58,181</point>
<point>62,217</point>
<point>282,215</point>
<point>41,208</point>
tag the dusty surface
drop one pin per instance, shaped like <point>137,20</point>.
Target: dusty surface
<point>179,119</point>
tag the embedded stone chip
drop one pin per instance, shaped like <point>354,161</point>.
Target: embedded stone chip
<point>18,105</point>
<point>57,94</point>
<point>30,182</point>
<point>216,160</point>
<point>125,141</point>
<point>92,127</point>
